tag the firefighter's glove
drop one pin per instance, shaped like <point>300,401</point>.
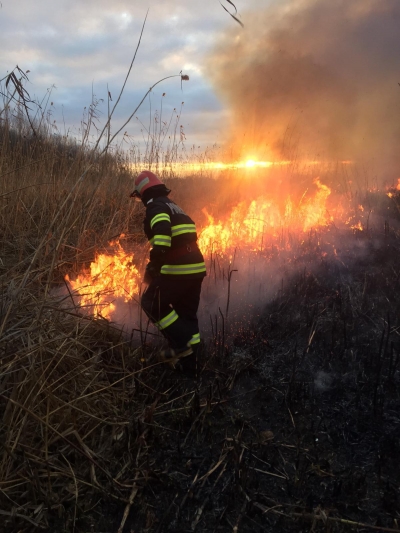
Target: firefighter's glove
<point>152,271</point>
<point>157,254</point>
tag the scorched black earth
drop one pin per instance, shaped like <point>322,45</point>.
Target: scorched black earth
<point>295,427</point>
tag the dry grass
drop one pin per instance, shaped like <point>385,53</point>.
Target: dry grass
<point>71,389</point>
<point>67,382</point>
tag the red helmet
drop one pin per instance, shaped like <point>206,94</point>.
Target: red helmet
<point>144,181</point>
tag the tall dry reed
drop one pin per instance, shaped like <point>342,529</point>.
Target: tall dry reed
<point>67,381</point>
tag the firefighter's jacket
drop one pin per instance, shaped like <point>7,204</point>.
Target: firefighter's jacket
<point>172,234</point>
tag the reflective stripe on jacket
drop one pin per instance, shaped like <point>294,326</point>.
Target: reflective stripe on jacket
<point>169,228</point>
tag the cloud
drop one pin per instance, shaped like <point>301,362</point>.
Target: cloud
<point>79,45</point>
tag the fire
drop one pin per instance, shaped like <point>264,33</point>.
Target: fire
<point>256,226</point>
<point>111,275</point>
<point>314,211</point>
<point>249,225</point>
<point>357,226</point>
<point>394,190</point>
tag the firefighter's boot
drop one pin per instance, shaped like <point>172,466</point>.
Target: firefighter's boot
<point>171,356</point>
<point>190,365</point>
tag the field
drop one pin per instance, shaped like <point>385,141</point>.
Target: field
<point>293,423</point>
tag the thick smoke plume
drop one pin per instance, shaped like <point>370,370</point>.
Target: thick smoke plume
<point>314,79</point>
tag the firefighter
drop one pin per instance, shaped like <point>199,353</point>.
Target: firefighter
<point>174,273</point>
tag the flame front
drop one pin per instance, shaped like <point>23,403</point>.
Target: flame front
<point>248,225</point>
<point>112,276</point>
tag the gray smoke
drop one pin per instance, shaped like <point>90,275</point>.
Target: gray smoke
<point>316,79</point>
<point>323,381</point>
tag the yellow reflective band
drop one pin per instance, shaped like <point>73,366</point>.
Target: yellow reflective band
<point>167,320</point>
<point>160,218</point>
<point>180,229</point>
<point>161,240</point>
<point>195,268</point>
<point>195,339</point>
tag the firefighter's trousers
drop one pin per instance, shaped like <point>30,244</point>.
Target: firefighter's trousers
<point>171,304</point>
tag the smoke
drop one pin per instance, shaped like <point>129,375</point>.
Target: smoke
<point>323,381</point>
<point>316,79</point>
<point>235,292</point>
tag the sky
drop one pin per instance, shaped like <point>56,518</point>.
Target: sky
<point>78,46</point>
<point>302,79</point>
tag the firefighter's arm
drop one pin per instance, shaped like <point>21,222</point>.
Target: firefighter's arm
<point>160,224</point>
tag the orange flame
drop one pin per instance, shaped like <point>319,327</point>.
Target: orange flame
<point>357,226</point>
<point>111,276</point>
<point>247,225</point>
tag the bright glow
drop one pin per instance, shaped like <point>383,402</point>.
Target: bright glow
<point>248,225</point>
<point>184,167</point>
<point>111,276</point>
<point>219,165</point>
<point>357,226</point>
<point>253,226</point>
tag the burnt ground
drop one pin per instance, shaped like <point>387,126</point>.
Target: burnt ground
<point>293,426</point>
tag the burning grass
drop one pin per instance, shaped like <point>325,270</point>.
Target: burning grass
<point>112,275</point>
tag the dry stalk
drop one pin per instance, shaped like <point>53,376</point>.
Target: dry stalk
<point>132,496</point>
<point>318,516</point>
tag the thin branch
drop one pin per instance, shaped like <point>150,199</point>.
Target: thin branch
<point>233,16</point>
<point>139,105</point>
<point>122,89</point>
